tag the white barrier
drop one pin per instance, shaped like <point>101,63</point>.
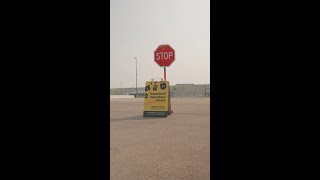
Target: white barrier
<point>121,96</point>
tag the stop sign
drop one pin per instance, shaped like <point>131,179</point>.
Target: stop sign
<point>164,55</point>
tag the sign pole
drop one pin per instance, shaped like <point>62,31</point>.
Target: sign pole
<point>165,75</point>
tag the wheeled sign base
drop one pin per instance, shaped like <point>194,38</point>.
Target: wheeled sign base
<point>154,114</point>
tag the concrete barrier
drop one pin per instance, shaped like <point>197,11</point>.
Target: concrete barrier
<point>121,96</point>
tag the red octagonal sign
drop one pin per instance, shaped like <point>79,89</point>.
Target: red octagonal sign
<point>164,55</point>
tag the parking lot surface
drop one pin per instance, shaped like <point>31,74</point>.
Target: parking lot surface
<point>176,147</point>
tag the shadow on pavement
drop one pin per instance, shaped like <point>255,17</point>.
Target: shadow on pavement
<point>135,118</point>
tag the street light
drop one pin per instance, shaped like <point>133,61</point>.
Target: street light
<point>136,76</point>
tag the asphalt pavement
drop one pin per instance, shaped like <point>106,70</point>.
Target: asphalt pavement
<point>176,147</point>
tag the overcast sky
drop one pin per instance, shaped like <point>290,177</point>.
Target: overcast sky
<point>138,27</point>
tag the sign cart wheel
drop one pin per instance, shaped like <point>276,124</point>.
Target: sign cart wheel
<point>165,115</point>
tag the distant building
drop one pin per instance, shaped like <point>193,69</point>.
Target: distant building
<point>178,90</point>
<point>207,93</point>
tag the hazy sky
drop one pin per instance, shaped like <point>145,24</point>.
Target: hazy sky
<point>138,27</point>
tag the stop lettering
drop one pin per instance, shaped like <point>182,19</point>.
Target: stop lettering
<point>164,55</point>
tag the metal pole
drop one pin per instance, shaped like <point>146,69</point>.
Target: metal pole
<point>136,77</point>
<point>165,75</point>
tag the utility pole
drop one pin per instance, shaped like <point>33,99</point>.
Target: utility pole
<point>136,77</point>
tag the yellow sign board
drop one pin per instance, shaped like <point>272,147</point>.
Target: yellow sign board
<point>157,96</point>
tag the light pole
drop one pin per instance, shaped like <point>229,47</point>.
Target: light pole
<point>136,77</point>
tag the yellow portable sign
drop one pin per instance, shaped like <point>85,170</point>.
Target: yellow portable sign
<point>157,98</point>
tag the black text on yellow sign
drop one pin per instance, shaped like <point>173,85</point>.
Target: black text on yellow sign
<point>156,96</point>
